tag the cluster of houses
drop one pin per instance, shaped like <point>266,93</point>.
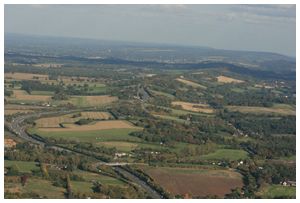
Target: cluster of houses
<point>288,183</point>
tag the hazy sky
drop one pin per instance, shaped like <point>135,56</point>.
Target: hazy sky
<point>239,27</point>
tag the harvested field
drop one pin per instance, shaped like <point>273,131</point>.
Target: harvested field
<point>9,143</point>
<point>190,83</point>
<point>224,79</point>
<point>202,108</point>
<point>195,182</point>
<point>48,65</point>
<point>22,107</point>
<point>11,109</point>
<point>15,111</point>
<point>23,96</point>
<point>119,145</point>
<point>54,122</point>
<point>25,76</point>
<point>276,109</point>
<point>101,125</point>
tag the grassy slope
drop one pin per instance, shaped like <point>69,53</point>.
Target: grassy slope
<point>276,191</point>
<point>230,154</point>
<point>23,166</point>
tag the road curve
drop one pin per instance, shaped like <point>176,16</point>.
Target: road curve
<point>20,130</point>
<point>151,192</point>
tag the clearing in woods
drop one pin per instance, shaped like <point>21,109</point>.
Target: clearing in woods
<point>195,182</point>
<point>224,79</point>
<point>190,83</point>
<point>202,108</point>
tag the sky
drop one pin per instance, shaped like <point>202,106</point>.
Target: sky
<point>269,28</point>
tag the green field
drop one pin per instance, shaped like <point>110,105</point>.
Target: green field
<point>180,112</point>
<point>276,109</point>
<point>89,177</point>
<point>23,166</point>
<point>86,185</point>
<point>91,136</point>
<point>237,90</point>
<point>173,118</point>
<point>98,89</point>
<point>163,94</point>
<point>43,188</point>
<point>81,187</point>
<point>48,93</point>
<point>226,154</point>
<point>277,191</point>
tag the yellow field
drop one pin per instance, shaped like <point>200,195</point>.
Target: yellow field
<point>95,115</point>
<point>201,108</point>
<point>53,122</point>
<point>45,78</point>
<point>10,109</point>
<point>100,125</point>
<point>24,96</point>
<point>190,83</point>
<point>21,107</point>
<point>224,79</point>
<point>276,109</point>
<point>14,111</point>
<point>48,65</point>
<point>119,144</point>
<point>99,100</point>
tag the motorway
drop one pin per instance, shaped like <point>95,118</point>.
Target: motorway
<point>20,130</point>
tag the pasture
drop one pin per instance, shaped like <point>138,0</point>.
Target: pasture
<point>226,154</point>
<point>44,188</point>
<point>160,93</point>
<point>95,137</point>
<point>23,166</point>
<point>90,177</point>
<point>172,118</point>
<point>277,191</point>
